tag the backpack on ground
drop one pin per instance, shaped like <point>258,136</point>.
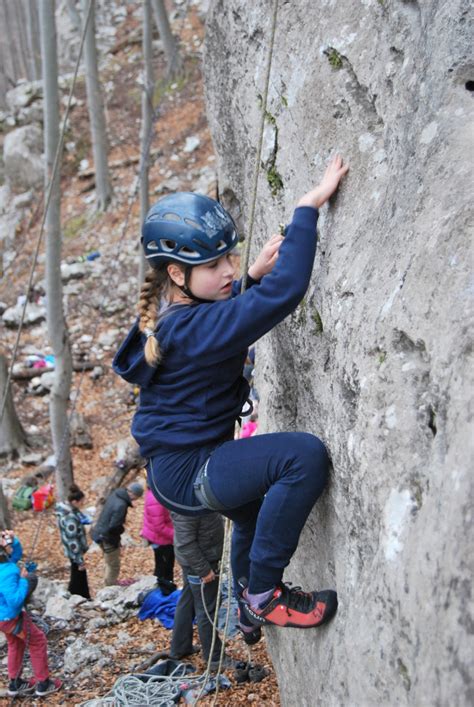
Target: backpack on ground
<point>22,499</point>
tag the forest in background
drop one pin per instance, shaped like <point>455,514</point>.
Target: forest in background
<point>136,129</point>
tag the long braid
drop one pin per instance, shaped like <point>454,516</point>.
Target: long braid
<point>150,294</point>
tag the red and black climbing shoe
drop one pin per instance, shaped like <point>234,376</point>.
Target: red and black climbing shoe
<point>291,607</point>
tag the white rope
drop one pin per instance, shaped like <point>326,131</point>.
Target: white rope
<point>253,202</point>
<point>225,560</point>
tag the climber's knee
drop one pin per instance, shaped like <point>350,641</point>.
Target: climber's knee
<point>310,462</point>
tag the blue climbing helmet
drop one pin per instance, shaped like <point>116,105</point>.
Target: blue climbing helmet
<point>187,228</point>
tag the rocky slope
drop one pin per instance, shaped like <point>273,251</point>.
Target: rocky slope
<point>377,359</point>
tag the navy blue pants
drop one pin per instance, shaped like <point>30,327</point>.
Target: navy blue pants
<point>268,485</point>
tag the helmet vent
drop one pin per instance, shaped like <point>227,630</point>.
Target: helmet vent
<point>167,245</point>
<point>152,245</point>
<point>189,252</point>
<point>221,245</point>
<point>170,216</point>
<point>194,224</point>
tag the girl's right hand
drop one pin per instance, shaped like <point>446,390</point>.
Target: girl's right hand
<point>318,196</point>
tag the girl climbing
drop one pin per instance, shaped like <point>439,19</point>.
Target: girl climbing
<point>187,352</point>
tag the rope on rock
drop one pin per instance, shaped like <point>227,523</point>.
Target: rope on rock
<point>225,560</point>
<point>253,202</point>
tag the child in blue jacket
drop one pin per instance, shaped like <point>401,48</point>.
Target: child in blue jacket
<point>187,352</point>
<point>19,629</point>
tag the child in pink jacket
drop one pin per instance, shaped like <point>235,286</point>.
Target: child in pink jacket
<point>158,531</point>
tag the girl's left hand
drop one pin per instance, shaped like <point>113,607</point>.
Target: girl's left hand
<point>266,258</point>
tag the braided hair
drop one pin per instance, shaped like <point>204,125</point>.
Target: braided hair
<point>156,282</point>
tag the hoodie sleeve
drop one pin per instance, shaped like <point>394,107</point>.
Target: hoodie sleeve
<point>14,589</point>
<point>220,330</point>
<point>17,551</point>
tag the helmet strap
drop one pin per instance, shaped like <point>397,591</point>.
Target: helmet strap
<point>186,290</point>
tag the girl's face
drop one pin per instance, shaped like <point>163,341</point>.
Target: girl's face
<point>213,280</point>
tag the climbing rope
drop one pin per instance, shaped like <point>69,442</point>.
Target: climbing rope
<point>225,560</point>
<point>253,201</point>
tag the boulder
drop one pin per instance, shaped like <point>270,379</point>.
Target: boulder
<point>63,607</point>
<point>23,95</point>
<point>82,653</point>
<point>22,154</point>
<point>34,313</point>
<point>377,359</point>
<point>120,600</point>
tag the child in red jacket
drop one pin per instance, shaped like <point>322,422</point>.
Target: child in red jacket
<point>158,531</point>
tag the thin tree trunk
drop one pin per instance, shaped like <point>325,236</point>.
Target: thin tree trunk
<point>57,330</point>
<point>33,37</point>
<point>9,29</point>
<point>5,70</point>
<point>147,124</point>
<point>95,104</point>
<point>170,43</point>
<point>22,41</point>
<point>12,435</point>
<point>5,517</point>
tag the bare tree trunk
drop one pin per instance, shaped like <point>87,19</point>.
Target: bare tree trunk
<point>6,81</point>
<point>12,435</point>
<point>21,39</point>
<point>12,45</point>
<point>5,517</point>
<point>33,38</point>
<point>95,104</point>
<point>57,330</point>
<point>147,124</point>
<point>170,43</point>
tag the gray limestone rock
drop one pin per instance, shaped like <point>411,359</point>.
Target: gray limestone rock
<point>22,153</point>
<point>63,607</point>
<point>23,95</point>
<point>377,359</point>
<point>82,653</point>
<point>34,313</point>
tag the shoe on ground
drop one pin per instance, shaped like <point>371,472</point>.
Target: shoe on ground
<point>166,586</point>
<point>241,671</point>
<point>193,650</point>
<point>291,607</point>
<point>257,673</point>
<point>18,686</point>
<point>47,687</point>
<point>227,662</point>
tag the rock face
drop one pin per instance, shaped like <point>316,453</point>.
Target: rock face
<point>22,153</point>
<point>377,359</point>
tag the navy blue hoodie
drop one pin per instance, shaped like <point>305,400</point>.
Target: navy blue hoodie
<point>194,396</point>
